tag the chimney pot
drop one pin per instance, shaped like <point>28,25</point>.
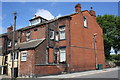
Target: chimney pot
<point>78,8</point>
<point>9,29</point>
<point>92,13</point>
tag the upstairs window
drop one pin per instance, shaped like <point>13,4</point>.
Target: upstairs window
<point>24,57</point>
<point>62,54</point>
<point>85,22</point>
<point>35,29</point>
<point>16,56</point>
<point>9,43</point>
<point>56,37</point>
<point>36,21</point>
<point>62,32</point>
<point>28,35</point>
<point>51,34</point>
<point>10,52</point>
<point>16,43</point>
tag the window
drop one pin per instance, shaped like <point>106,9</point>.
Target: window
<point>35,29</point>
<point>85,21</point>
<point>15,43</point>
<point>10,52</point>
<point>9,43</point>
<point>24,57</point>
<point>28,35</point>
<point>62,54</point>
<point>62,32</point>
<point>56,56</point>
<point>46,56</point>
<point>51,34</point>
<point>36,21</point>
<point>56,37</point>
<point>16,56</point>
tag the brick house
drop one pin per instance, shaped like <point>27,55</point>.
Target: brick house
<point>7,39</point>
<point>66,44</point>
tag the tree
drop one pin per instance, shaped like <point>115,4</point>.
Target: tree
<point>111,32</point>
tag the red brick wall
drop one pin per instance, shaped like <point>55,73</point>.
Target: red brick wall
<point>80,55</point>
<point>51,56</point>
<point>40,53</point>
<point>40,33</point>
<point>27,67</point>
<point>49,69</point>
<point>83,56</point>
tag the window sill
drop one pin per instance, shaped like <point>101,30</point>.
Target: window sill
<point>62,39</point>
<point>62,62</point>
<point>85,26</point>
<point>23,60</point>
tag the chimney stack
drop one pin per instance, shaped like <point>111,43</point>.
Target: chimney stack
<point>92,12</point>
<point>9,29</point>
<point>78,8</point>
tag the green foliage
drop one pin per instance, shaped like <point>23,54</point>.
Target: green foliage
<point>111,32</point>
<point>115,58</point>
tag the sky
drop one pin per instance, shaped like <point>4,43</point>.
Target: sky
<point>49,10</point>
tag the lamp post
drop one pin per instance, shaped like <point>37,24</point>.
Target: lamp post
<point>13,48</point>
<point>94,42</point>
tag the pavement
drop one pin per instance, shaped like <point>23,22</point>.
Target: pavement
<point>4,76</point>
<point>79,74</point>
<point>85,73</point>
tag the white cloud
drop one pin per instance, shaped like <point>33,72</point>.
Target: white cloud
<point>44,13</point>
<point>59,15</point>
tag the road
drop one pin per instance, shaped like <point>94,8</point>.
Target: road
<point>105,73</point>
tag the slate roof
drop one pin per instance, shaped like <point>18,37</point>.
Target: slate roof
<point>30,44</point>
<point>37,17</point>
<point>46,22</point>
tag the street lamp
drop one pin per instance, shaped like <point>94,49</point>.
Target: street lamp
<point>94,42</point>
<point>13,48</point>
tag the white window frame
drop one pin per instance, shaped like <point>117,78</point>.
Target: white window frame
<point>24,54</point>
<point>52,33</point>
<point>10,55</point>
<point>85,22</point>
<point>16,43</point>
<point>62,54</point>
<point>28,35</point>
<point>46,56</point>
<point>16,55</point>
<point>36,21</point>
<point>56,37</point>
<point>9,43</point>
<point>62,33</point>
<point>56,56</point>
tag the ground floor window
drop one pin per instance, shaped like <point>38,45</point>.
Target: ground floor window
<point>24,56</point>
<point>15,55</point>
<point>62,54</point>
<point>56,56</point>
